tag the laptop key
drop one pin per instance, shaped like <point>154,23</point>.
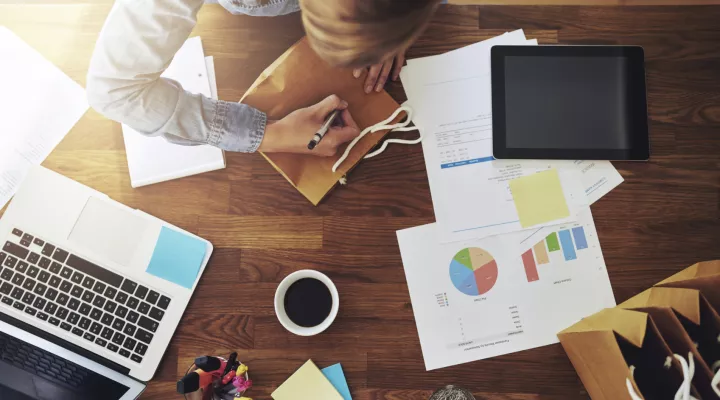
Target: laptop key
<point>42,316</point>
<point>17,293</point>
<point>39,303</point>
<point>77,278</point>
<point>73,304</point>
<point>18,251</point>
<point>34,258</point>
<point>96,328</point>
<point>33,271</point>
<point>128,286</point>
<point>30,310</point>
<point>88,296</point>
<point>132,303</point>
<point>48,250</point>
<point>85,309</point>
<point>66,272</point>
<point>54,321</point>
<point>129,330</point>
<point>112,347</point>
<point>54,267</point>
<point>136,358</point>
<point>157,313</point>
<point>121,297</point>
<point>40,289</point>
<point>73,318</point>
<point>110,292</point>
<point>129,343</point>
<point>54,281</point>
<point>21,267</point>
<point>152,297</point>
<point>118,338</point>
<point>6,274</point>
<point>99,301</point>
<point>18,279</point>
<point>107,319</point>
<point>18,305</point>
<point>124,353</point>
<point>62,299</point>
<point>29,284</point>
<point>118,324</point>
<point>99,287</point>
<point>107,333</point>
<point>141,292</point>
<point>84,323</point>
<point>144,307</point>
<point>2,257</point>
<point>141,348</point>
<point>95,314</point>
<point>88,282</point>
<point>164,302</point>
<point>76,291</point>
<point>121,311</point>
<point>50,308</point>
<point>51,294</point>
<point>143,336</point>
<point>10,262</point>
<point>65,286</point>
<point>133,316</point>
<point>60,255</point>
<point>39,242</point>
<point>5,288</point>
<point>65,326</point>
<point>62,313</point>
<point>100,342</point>
<point>110,306</point>
<point>95,271</point>
<point>28,298</point>
<point>44,276</point>
<point>88,336</point>
<point>7,300</point>
<point>77,331</point>
<point>17,232</point>
<point>28,238</point>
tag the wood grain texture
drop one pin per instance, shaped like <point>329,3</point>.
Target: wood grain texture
<point>664,217</point>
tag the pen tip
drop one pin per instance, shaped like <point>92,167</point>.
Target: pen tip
<point>311,145</point>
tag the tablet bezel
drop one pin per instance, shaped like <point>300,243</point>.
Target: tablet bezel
<point>640,146</point>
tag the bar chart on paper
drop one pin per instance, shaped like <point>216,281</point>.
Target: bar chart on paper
<point>557,250</point>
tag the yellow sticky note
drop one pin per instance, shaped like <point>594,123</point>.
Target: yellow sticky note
<point>307,383</point>
<point>539,198</point>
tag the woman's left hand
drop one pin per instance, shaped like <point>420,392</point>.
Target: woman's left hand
<point>379,73</point>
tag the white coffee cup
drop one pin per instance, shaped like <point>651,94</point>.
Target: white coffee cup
<point>280,302</point>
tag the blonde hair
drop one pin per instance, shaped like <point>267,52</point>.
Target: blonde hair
<point>358,33</point>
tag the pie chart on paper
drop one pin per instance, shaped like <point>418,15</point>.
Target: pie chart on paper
<point>473,271</point>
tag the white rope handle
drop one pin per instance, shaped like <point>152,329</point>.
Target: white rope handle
<point>716,380</point>
<point>631,390</point>
<point>688,370</point>
<point>381,126</point>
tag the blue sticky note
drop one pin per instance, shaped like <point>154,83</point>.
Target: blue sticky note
<point>177,257</point>
<point>336,376</point>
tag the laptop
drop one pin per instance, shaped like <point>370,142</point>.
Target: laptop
<point>80,318</point>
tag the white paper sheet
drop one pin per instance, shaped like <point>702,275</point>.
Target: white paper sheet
<point>39,105</point>
<point>469,188</point>
<point>492,303</point>
<point>154,159</point>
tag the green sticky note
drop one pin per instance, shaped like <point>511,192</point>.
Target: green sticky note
<point>177,257</point>
<point>539,198</point>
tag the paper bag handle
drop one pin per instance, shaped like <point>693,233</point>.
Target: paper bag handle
<point>688,370</point>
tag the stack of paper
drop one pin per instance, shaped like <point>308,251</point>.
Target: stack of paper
<point>309,383</point>
<point>153,159</point>
<point>514,256</point>
<point>39,104</point>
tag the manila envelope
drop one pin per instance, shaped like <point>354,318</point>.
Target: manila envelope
<point>298,79</point>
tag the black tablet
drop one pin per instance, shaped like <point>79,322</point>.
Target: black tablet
<point>569,102</point>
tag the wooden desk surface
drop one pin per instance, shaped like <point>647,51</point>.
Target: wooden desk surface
<point>664,217</point>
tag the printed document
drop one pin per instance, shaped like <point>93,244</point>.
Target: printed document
<point>486,297</point>
<point>39,103</point>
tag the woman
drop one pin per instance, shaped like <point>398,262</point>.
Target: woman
<point>140,37</point>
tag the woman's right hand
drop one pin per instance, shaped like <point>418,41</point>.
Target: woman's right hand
<point>293,133</point>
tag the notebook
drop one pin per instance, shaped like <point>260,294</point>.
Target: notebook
<point>154,159</point>
<point>299,78</point>
<point>307,383</point>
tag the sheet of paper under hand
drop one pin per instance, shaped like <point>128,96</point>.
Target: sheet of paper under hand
<point>299,78</point>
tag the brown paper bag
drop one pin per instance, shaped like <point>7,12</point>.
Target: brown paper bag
<point>602,348</point>
<point>703,276</point>
<point>299,78</point>
<point>694,312</point>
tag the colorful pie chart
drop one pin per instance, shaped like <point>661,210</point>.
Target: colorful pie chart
<point>473,271</point>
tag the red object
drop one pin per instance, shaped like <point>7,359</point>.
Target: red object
<point>228,377</point>
<point>194,381</point>
<point>530,266</point>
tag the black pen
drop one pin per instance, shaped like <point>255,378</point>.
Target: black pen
<point>323,129</point>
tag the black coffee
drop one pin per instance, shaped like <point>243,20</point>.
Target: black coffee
<point>308,302</point>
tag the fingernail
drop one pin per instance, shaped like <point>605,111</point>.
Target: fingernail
<point>357,73</point>
<point>368,89</point>
<point>344,103</point>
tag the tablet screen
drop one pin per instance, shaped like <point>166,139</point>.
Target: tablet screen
<point>573,102</point>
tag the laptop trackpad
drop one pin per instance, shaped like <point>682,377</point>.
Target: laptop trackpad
<point>109,230</point>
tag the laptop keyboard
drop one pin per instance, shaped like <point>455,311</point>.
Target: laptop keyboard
<point>39,362</point>
<point>80,297</point>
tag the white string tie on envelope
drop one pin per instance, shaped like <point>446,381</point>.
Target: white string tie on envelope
<point>688,370</point>
<point>381,126</point>
<point>716,380</point>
